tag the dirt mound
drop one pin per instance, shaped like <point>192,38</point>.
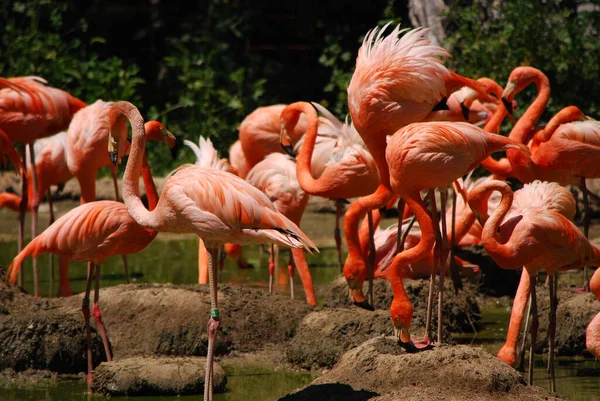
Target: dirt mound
<point>451,373</point>
<point>574,313</point>
<point>36,334</point>
<point>155,376</point>
<point>461,311</point>
<point>165,319</point>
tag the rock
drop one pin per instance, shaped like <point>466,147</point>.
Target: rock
<point>449,372</point>
<point>155,376</point>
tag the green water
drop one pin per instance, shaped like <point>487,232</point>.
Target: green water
<point>169,260</point>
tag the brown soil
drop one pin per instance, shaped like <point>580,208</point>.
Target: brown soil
<point>461,311</point>
<point>155,376</point>
<point>573,314</point>
<point>380,367</point>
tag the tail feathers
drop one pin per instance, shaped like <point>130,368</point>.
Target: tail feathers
<point>33,249</point>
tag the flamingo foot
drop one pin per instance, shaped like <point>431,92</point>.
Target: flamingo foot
<point>582,290</point>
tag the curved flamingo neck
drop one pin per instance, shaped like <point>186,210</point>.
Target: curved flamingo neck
<point>149,185</point>
<point>491,226</point>
<point>521,164</point>
<point>289,118</point>
<point>131,183</point>
<point>566,115</point>
<point>498,167</point>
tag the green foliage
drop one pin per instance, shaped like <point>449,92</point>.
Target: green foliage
<point>548,35</point>
<point>36,41</point>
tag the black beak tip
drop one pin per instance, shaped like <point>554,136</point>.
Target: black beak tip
<point>365,305</point>
<point>289,150</point>
<point>113,157</point>
<point>411,348</point>
<point>507,106</point>
<point>465,111</point>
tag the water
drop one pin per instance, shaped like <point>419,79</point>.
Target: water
<point>173,259</point>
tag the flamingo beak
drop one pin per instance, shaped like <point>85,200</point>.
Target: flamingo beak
<point>507,96</point>
<point>284,139</point>
<point>357,296</point>
<point>112,150</point>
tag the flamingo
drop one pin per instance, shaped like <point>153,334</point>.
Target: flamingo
<point>348,170</point>
<point>425,156</point>
<point>276,176</point>
<point>397,81</point>
<point>92,232</point>
<point>259,133</point>
<point>237,159</point>
<point>7,150</point>
<point>592,333</point>
<point>87,137</point>
<point>216,206</point>
<point>207,156</point>
<point>536,238</point>
<point>29,109</point>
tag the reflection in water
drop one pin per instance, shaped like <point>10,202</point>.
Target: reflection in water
<point>175,261</point>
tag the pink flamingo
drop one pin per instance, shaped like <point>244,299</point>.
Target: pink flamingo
<point>237,159</point>
<point>348,171</point>
<point>425,156</point>
<point>536,238</point>
<point>92,232</point>
<point>217,206</point>
<point>276,176</point>
<point>592,333</point>
<point>207,156</point>
<point>397,81</point>
<point>30,110</point>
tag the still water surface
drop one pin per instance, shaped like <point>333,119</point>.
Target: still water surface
<point>174,260</point>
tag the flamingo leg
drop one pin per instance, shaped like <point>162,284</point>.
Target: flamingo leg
<point>443,259</point>
<point>98,315</point>
<point>552,329</point>
<point>22,209</point>
<point>85,310</point>
<point>371,258</point>
<point>534,326</point>
<point>291,274</point>
<point>213,322</point>
<point>454,268</point>
<point>508,352</point>
<point>34,221</point>
<point>587,218</point>
<point>51,209</point>
<point>399,242</point>
<point>337,233</point>
<point>222,257</point>
<point>271,269</point>
<point>436,251</point>
<point>521,366</point>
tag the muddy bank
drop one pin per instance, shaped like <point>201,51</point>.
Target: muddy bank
<point>39,334</point>
<point>573,314</point>
<point>380,367</point>
<point>461,311</point>
<point>155,376</point>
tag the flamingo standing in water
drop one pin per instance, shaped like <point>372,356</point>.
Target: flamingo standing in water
<point>348,171</point>
<point>536,238</point>
<point>397,81</point>
<point>425,156</point>
<point>276,176</point>
<point>216,206</point>
<point>30,110</point>
<point>92,232</point>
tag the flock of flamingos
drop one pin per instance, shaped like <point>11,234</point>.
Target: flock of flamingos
<point>415,126</point>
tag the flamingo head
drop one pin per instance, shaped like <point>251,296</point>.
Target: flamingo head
<point>355,280</point>
<point>155,131</point>
<point>519,79</point>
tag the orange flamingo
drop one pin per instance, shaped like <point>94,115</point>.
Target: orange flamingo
<point>348,171</point>
<point>592,333</point>
<point>87,137</point>
<point>397,81</point>
<point>276,176</point>
<point>30,110</point>
<point>207,156</point>
<point>536,238</point>
<point>217,206</point>
<point>92,232</point>
<point>259,133</point>
<point>425,156</point>
<point>541,195</point>
<point>237,159</point>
